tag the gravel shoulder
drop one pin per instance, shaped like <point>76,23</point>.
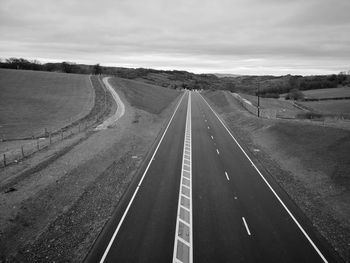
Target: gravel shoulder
<point>57,212</point>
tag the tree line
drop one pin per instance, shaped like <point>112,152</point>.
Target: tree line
<point>265,86</point>
<point>66,67</point>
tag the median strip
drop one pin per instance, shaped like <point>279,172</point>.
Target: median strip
<point>183,244</point>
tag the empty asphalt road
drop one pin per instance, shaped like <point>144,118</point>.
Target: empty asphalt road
<point>200,198</point>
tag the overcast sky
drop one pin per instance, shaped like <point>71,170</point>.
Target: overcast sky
<point>218,36</point>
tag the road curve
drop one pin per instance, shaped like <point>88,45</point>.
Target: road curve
<point>120,110</point>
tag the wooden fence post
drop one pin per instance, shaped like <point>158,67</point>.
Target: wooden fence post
<point>22,150</point>
<point>61,134</point>
<point>50,137</point>
<point>4,160</point>
<point>37,144</point>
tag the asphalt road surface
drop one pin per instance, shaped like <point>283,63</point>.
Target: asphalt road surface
<point>200,198</point>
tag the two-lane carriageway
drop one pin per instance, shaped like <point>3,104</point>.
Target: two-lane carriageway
<point>200,198</point>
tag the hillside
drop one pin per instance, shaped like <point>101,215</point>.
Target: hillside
<point>151,98</point>
<point>32,101</point>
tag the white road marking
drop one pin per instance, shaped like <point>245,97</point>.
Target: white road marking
<point>183,244</point>
<point>138,186</point>
<point>208,128</point>
<point>246,226</point>
<point>212,137</point>
<point>217,151</point>
<point>228,178</point>
<point>270,187</point>
<point>205,120</point>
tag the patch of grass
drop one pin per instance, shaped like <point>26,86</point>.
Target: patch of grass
<point>218,97</point>
<point>310,115</point>
<point>329,106</point>
<point>328,93</point>
<point>325,149</point>
<point>32,101</point>
<point>151,98</point>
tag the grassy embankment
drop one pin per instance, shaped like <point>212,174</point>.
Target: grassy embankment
<point>32,101</point>
<point>151,98</point>
<point>310,162</point>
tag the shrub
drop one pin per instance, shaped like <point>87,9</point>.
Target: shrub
<point>295,94</point>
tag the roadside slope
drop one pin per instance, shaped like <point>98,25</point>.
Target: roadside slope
<point>58,211</point>
<point>310,162</point>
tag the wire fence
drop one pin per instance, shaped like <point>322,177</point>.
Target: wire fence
<point>32,145</point>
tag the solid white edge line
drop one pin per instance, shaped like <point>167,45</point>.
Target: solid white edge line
<point>138,186</point>
<point>273,191</point>
<point>191,205</point>
<point>246,226</point>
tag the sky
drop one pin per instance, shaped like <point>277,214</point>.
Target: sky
<point>258,37</point>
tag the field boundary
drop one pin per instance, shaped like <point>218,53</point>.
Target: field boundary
<point>102,106</point>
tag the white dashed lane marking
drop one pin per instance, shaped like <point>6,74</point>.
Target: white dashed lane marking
<point>217,151</point>
<point>246,226</point>
<point>228,178</point>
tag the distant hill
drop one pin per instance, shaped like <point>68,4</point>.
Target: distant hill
<point>269,86</point>
<point>222,75</point>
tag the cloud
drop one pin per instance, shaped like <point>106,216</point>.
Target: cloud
<point>202,36</point>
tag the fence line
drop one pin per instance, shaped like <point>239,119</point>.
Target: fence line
<point>44,141</point>
<point>35,145</point>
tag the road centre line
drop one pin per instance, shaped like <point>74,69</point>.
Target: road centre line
<point>183,243</point>
<point>217,151</point>
<point>138,186</point>
<point>246,226</point>
<point>212,137</point>
<point>269,186</point>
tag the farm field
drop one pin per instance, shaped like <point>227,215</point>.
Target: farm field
<point>32,101</point>
<point>327,93</point>
<point>151,98</point>
<point>329,106</point>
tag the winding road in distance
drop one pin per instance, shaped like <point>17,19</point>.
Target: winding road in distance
<point>200,198</point>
